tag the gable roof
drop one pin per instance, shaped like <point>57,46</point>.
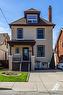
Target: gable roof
<point>22,22</point>
<point>59,37</point>
<point>32,9</point>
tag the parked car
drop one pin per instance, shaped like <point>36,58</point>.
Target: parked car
<point>60,66</point>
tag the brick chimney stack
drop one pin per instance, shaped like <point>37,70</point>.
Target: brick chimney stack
<point>50,13</point>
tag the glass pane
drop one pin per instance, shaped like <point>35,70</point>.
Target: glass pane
<point>17,50</point>
<point>26,54</point>
<point>32,18</point>
<point>41,51</point>
<point>40,33</point>
<point>19,33</point>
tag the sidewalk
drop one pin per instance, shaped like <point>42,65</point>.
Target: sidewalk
<point>38,82</point>
<point>23,86</point>
<point>34,85</point>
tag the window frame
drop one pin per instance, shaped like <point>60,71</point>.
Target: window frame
<point>17,33</point>
<point>40,38</point>
<point>42,55</point>
<point>16,50</point>
<point>62,44</point>
<point>31,20</point>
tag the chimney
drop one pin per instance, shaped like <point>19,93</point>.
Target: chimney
<point>50,13</point>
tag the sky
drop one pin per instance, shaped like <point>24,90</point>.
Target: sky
<point>13,10</point>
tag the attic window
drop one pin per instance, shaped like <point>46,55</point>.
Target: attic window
<point>32,18</point>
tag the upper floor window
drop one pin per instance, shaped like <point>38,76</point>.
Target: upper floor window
<point>32,18</point>
<point>40,33</point>
<point>19,33</point>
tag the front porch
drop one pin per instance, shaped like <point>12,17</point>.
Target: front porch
<point>16,63</point>
<point>21,60</point>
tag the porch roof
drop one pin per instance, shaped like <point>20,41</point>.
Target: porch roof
<point>21,42</point>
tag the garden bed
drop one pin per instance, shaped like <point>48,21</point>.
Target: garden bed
<point>13,76</point>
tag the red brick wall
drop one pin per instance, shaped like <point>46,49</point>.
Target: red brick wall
<point>59,47</point>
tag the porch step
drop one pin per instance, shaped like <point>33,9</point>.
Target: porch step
<point>24,66</point>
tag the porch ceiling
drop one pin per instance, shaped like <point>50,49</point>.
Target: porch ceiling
<point>21,42</point>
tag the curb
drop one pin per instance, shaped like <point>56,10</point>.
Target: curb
<point>5,88</point>
<point>28,77</point>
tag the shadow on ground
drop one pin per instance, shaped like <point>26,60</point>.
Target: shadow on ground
<point>48,71</point>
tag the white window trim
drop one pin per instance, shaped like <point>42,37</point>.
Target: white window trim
<point>31,21</point>
<point>32,15</point>
<point>36,19</point>
<point>40,39</point>
<point>41,57</point>
<point>19,38</point>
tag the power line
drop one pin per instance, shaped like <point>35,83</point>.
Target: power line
<point>4,16</point>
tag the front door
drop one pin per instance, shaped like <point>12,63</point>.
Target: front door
<point>26,53</point>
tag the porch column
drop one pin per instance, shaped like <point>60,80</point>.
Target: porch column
<point>32,63</point>
<point>32,51</point>
<point>10,50</point>
<point>10,62</point>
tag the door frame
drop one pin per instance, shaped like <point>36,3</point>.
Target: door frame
<point>23,53</point>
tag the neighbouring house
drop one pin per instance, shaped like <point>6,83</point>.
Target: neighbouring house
<point>59,48</point>
<point>31,43</point>
<point>4,37</point>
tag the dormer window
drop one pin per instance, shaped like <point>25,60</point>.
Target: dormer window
<point>32,18</point>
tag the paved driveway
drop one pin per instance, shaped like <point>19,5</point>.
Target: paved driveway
<point>47,81</point>
<point>42,82</point>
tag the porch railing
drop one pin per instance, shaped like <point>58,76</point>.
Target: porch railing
<point>16,58</point>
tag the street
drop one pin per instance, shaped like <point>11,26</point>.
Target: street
<point>29,93</point>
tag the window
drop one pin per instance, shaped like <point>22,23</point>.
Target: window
<point>41,51</point>
<point>32,18</point>
<point>62,44</point>
<point>40,33</point>
<point>17,50</point>
<point>19,33</point>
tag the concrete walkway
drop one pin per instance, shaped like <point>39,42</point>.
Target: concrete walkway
<point>38,82</point>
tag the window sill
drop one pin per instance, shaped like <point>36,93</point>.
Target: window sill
<point>40,39</point>
<point>19,39</point>
<point>40,57</point>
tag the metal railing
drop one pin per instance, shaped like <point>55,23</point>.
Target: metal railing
<point>16,58</point>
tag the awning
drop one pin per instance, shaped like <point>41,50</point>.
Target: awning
<point>21,42</point>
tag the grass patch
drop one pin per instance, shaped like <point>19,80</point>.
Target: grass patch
<point>22,77</point>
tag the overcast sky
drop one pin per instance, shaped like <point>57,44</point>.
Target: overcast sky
<point>13,9</point>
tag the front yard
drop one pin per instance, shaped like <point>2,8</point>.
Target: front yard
<point>20,77</point>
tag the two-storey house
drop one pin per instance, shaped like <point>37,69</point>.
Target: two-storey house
<point>31,36</point>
